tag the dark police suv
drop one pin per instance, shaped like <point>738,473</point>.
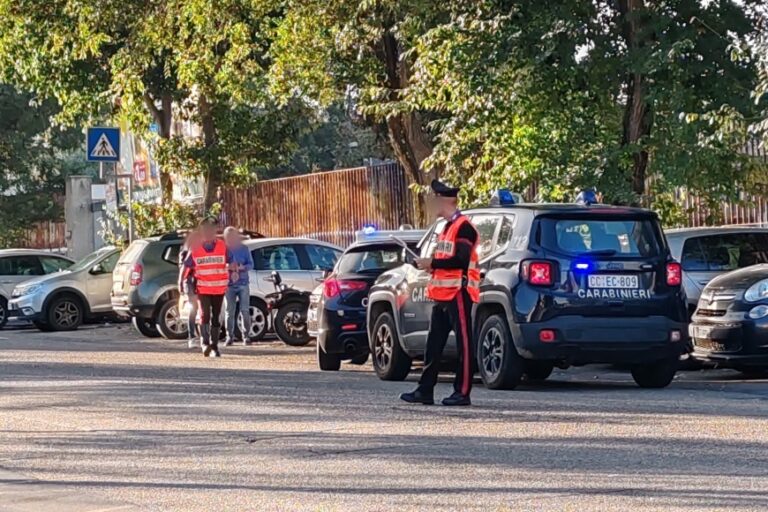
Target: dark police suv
<point>562,285</point>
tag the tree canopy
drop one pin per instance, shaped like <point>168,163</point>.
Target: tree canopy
<point>633,97</point>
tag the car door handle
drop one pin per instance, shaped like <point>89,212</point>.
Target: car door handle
<point>704,281</point>
<point>409,315</point>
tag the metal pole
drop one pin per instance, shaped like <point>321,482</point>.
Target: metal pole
<point>131,233</point>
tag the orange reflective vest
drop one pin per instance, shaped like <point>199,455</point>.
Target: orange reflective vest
<point>211,271</point>
<point>446,283</point>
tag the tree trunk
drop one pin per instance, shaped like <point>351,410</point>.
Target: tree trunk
<point>163,117</point>
<point>410,141</point>
<point>638,116</point>
<point>213,177</point>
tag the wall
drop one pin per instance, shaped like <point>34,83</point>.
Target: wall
<point>329,206</point>
<point>79,218</point>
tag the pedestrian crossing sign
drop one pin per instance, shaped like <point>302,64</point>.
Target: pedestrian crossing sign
<point>103,144</point>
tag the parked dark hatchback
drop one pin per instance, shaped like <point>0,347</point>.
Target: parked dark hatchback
<point>337,314</point>
<point>730,325</point>
<point>562,285</point>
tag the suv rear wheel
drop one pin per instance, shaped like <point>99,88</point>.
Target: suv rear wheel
<point>389,359</point>
<point>501,367</point>
<point>538,370</point>
<point>65,313</point>
<point>145,326</point>
<point>170,323</point>
<point>657,374</point>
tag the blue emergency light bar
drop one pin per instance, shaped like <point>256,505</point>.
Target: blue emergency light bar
<point>503,197</point>
<point>587,197</point>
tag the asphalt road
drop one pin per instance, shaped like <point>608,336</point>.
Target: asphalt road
<point>101,419</point>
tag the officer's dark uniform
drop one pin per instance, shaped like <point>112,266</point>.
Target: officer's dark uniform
<point>453,287</point>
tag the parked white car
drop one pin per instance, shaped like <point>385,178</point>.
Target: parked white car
<point>62,301</point>
<point>19,265</point>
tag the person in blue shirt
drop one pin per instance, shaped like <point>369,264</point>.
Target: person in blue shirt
<point>238,296</point>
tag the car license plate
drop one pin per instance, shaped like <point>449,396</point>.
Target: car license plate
<point>117,285</point>
<point>312,315</point>
<point>613,281</point>
<point>701,331</point>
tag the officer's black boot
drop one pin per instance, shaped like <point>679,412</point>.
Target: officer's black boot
<point>457,399</point>
<point>205,336</point>
<point>419,396</point>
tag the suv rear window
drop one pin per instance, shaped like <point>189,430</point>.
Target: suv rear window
<point>133,251</point>
<point>631,237</point>
<point>725,252</point>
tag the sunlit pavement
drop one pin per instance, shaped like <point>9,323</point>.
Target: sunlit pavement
<point>101,419</point>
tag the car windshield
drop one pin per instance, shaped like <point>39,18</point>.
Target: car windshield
<point>90,260</point>
<point>629,237</point>
<point>375,259</point>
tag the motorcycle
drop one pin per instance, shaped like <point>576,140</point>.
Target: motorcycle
<point>288,307</point>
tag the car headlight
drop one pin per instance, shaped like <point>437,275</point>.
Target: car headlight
<point>758,312</point>
<point>20,291</point>
<point>757,291</point>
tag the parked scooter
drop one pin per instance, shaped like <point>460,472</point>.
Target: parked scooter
<point>288,307</point>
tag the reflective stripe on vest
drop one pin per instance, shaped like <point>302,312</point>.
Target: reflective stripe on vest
<point>211,270</point>
<point>446,283</point>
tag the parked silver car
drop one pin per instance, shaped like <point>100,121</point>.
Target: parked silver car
<point>706,253</point>
<point>19,265</point>
<point>301,263</point>
<point>62,301</point>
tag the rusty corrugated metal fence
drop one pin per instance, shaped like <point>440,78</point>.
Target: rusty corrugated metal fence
<point>329,206</point>
<point>45,235</point>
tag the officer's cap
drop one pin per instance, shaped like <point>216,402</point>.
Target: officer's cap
<point>443,190</point>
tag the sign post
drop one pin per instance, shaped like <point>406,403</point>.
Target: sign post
<point>103,145</point>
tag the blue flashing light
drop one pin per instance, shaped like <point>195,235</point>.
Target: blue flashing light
<point>587,197</point>
<point>369,229</point>
<point>582,266</point>
<point>503,197</point>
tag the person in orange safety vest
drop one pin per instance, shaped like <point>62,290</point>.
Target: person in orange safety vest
<point>210,263</point>
<point>454,285</point>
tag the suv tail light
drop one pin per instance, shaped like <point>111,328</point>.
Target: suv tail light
<point>334,287</point>
<point>674,274</point>
<point>137,274</point>
<point>539,273</point>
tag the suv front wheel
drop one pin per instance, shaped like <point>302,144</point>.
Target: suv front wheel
<point>389,359</point>
<point>501,367</point>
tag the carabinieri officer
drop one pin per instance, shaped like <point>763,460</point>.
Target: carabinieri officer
<point>454,285</point>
